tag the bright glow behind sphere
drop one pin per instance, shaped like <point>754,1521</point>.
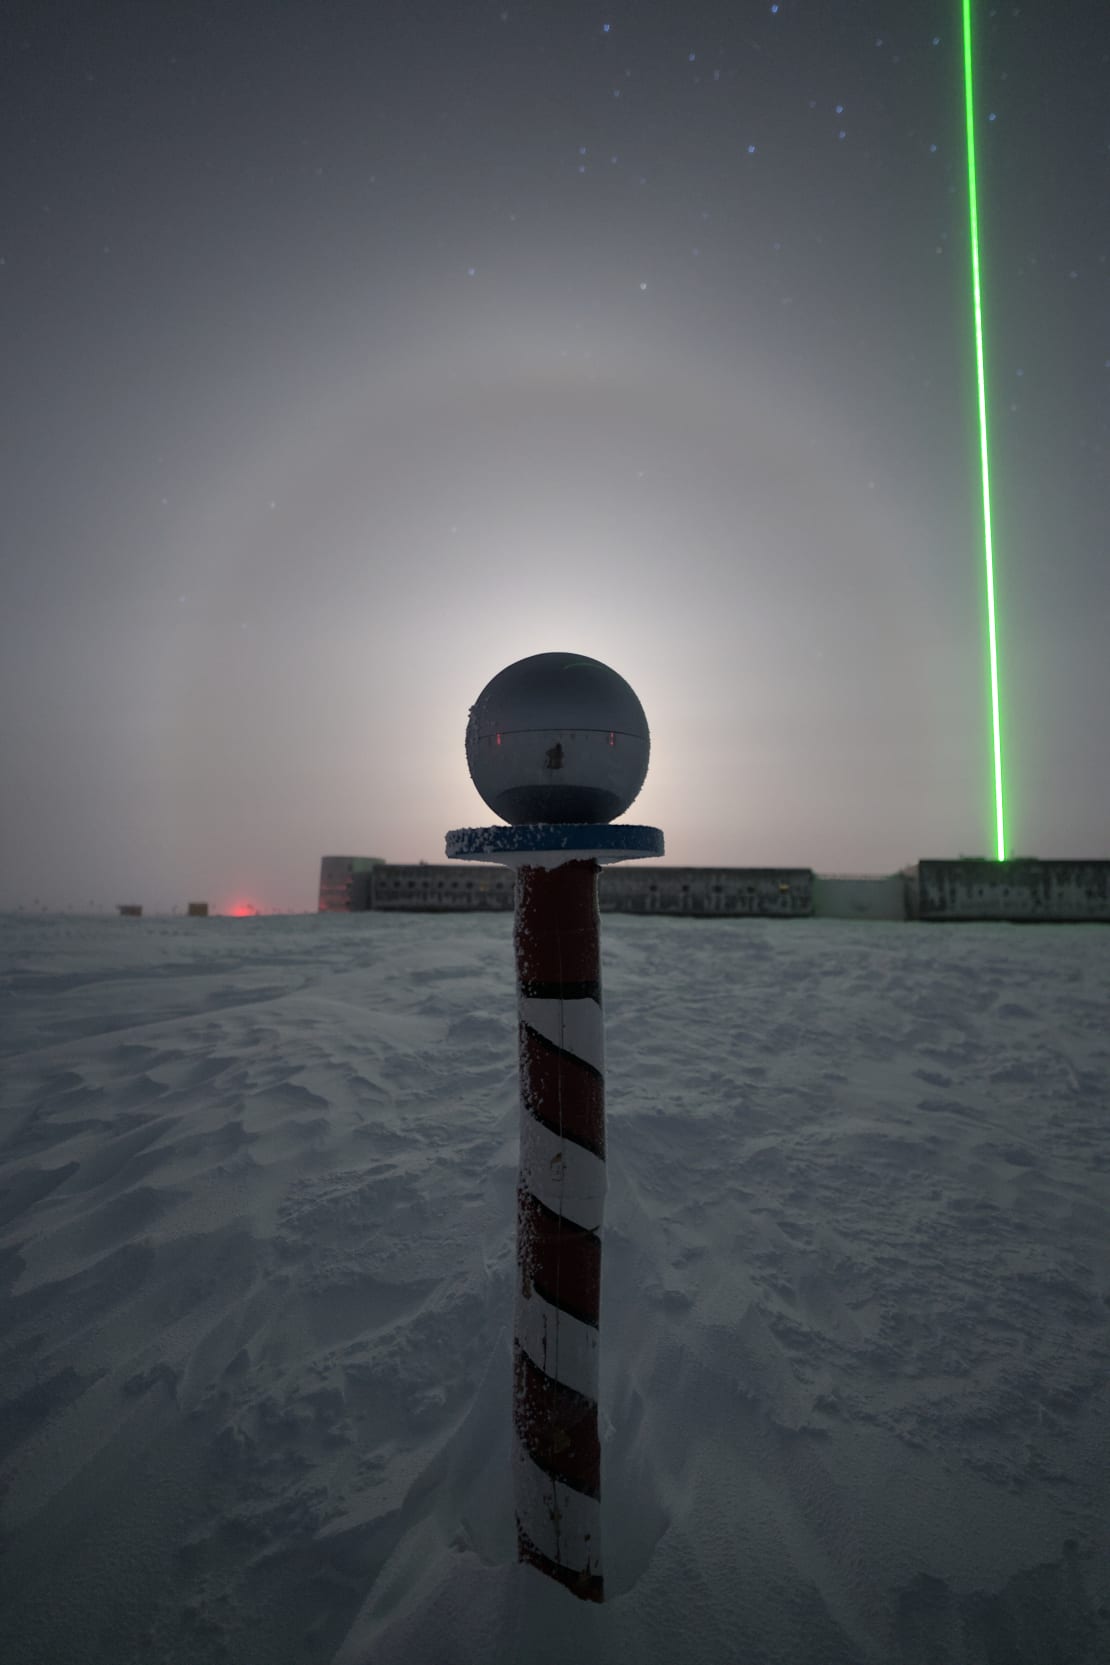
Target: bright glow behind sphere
<point>557,737</point>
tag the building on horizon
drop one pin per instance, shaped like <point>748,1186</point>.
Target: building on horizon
<point>345,883</point>
<point>368,884</point>
<point>967,889</point>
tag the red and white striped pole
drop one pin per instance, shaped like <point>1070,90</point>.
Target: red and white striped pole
<point>558,746</point>
<point>560,1203</point>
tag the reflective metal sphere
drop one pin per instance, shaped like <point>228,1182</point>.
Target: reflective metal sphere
<point>557,738</point>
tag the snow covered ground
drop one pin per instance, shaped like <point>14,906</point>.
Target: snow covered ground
<point>256,1256</point>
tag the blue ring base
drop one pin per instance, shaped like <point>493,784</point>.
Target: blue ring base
<point>551,843</point>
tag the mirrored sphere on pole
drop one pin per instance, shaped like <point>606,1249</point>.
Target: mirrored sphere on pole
<point>556,738</point>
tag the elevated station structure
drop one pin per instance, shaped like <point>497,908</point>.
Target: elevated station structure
<point>345,883</point>
<point>355,884</point>
<point>1031,891</point>
<point>1021,891</point>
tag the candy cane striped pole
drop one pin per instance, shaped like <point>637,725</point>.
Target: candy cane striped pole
<point>560,1204</point>
<point>561,1189</point>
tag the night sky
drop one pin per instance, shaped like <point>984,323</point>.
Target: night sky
<point>352,351</point>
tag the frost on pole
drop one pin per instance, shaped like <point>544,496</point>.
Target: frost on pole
<point>558,745</point>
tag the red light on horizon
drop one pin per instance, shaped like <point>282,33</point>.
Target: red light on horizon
<point>242,910</point>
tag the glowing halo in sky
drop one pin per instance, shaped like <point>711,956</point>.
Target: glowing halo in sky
<point>756,507</point>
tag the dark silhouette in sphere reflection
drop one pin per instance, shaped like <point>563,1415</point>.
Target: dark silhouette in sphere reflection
<point>557,737</point>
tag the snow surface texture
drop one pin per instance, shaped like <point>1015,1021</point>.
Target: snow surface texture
<point>257,1209</point>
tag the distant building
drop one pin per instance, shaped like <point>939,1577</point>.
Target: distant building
<point>727,892</point>
<point>456,887</point>
<point>197,910</point>
<point>953,890</point>
<point>473,887</point>
<point>1021,889</point>
<point>854,896</point>
<point>345,883</point>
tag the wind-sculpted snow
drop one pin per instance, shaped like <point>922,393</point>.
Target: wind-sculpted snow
<point>257,1200</point>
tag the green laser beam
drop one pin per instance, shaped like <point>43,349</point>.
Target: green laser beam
<point>988,541</point>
